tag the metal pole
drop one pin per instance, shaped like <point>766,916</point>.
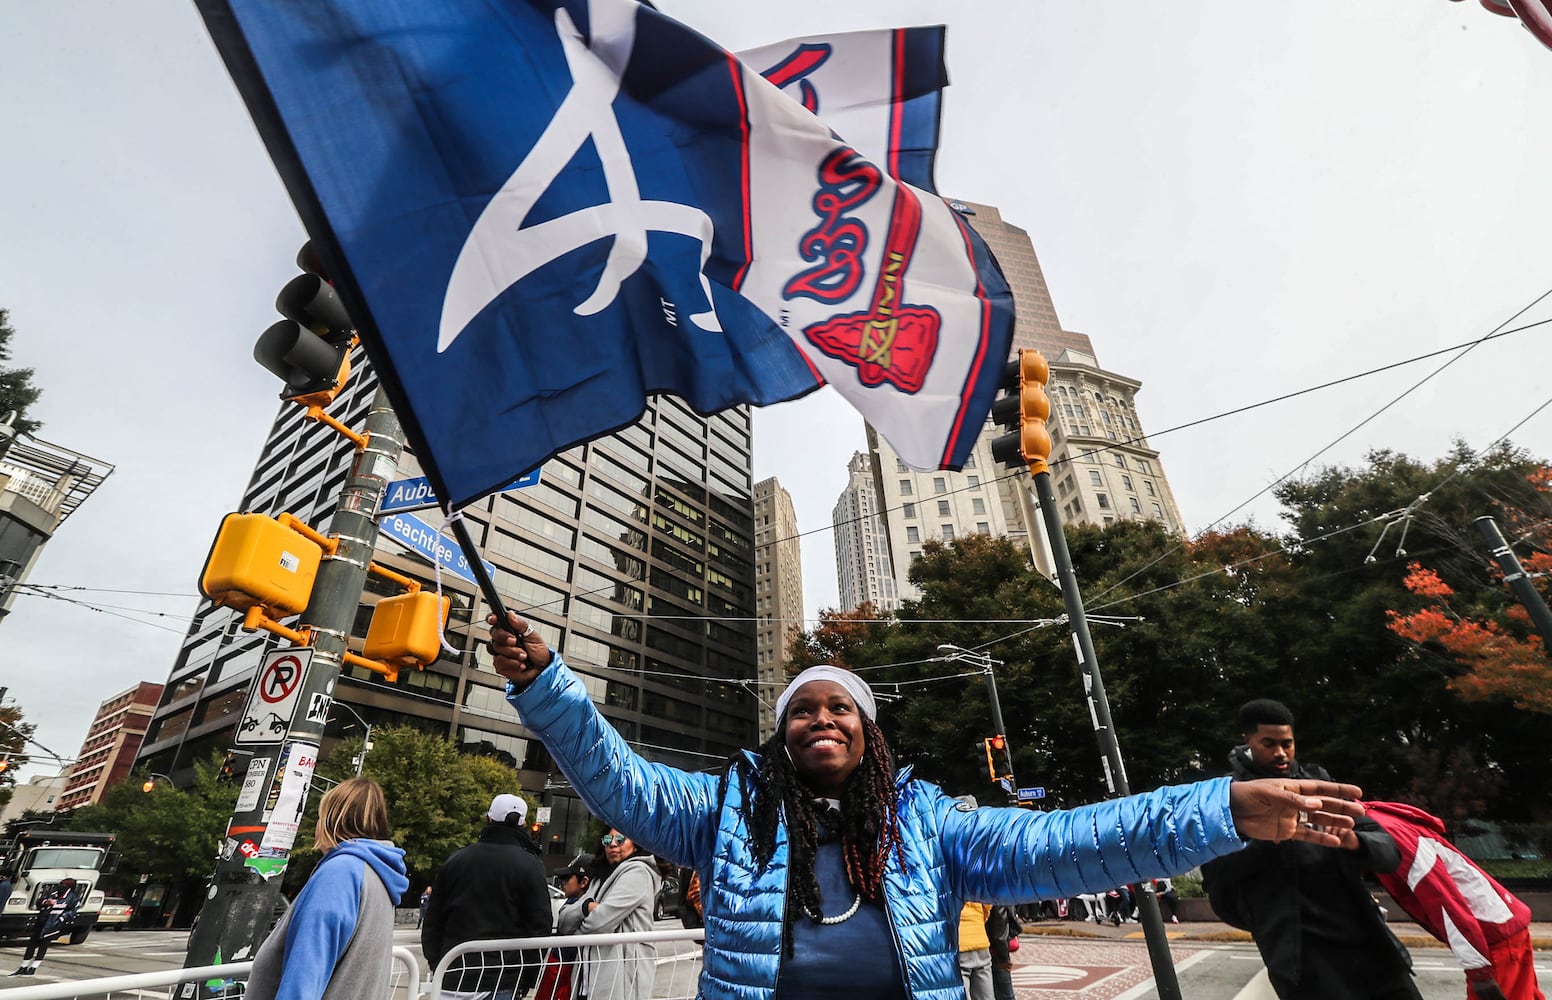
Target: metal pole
<point>985,662</point>
<point>246,886</point>
<point>1104,730</point>
<point>1514,576</point>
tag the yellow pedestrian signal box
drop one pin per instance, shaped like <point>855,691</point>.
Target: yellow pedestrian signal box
<point>257,561</point>
<point>406,629</point>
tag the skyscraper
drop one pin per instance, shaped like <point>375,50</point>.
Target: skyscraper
<point>862,561</point>
<point>778,588</point>
<point>634,555</point>
<point>1101,463</point>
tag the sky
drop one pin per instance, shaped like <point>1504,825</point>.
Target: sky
<point>1235,201</point>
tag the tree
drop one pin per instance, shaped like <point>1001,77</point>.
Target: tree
<point>171,834</point>
<point>16,389</point>
<point>437,797</point>
<point>14,735</point>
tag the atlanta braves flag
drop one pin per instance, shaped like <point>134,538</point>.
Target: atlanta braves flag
<point>540,212</point>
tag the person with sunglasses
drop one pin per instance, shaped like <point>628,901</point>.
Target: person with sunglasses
<point>827,873</point>
<point>623,903</point>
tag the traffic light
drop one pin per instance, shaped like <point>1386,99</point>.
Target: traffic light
<point>226,775</point>
<point>1024,408</point>
<point>310,349</point>
<point>256,560</point>
<point>998,765</point>
<point>5,764</point>
<point>406,630</point>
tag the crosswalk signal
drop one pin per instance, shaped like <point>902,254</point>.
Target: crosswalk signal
<point>1024,408</point>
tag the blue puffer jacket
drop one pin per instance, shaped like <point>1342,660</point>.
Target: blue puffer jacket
<point>951,854</point>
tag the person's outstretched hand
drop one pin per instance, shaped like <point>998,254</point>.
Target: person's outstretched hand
<point>1320,812</point>
<point>518,650</point>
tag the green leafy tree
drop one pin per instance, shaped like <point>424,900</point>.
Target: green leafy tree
<point>14,734</point>
<point>437,797</point>
<point>168,833</point>
<point>16,389</point>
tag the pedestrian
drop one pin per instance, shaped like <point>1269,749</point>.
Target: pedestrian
<point>559,980</point>
<point>1319,931</point>
<point>1002,931</point>
<point>975,951</point>
<point>56,915</point>
<point>826,870</point>
<point>425,897</point>
<point>490,890</point>
<point>1452,898</point>
<point>336,940</point>
<point>623,903</point>
<point>1164,889</point>
<point>1118,905</point>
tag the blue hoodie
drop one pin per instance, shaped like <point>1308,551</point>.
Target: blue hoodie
<point>323,920</point>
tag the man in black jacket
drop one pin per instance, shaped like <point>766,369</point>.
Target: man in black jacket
<point>492,889</point>
<point>1319,930</point>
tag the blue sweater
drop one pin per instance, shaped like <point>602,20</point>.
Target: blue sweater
<point>988,855</point>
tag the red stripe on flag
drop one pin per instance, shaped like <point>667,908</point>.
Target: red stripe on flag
<point>980,353</point>
<point>736,71</point>
<point>897,102</point>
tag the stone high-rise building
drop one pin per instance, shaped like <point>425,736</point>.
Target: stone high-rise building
<point>778,589</point>
<point>1101,464</point>
<point>863,568</point>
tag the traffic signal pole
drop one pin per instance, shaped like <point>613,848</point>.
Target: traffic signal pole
<point>245,889</point>
<point>1026,408</point>
<point>1514,576</point>
<point>1104,729</point>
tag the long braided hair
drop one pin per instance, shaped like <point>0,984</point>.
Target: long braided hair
<point>870,826</point>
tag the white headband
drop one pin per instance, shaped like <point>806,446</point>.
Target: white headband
<point>854,685</point>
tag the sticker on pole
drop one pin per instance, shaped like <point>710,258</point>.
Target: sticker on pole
<point>288,797</point>
<point>253,784</point>
<point>272,699</point>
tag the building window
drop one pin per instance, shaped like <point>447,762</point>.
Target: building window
<point>975,482</point>
<point>909,510</point>
<point>943,508</point>
<point>939,484</point>
<point>900,465</point>
<point>1147,484</point>
<point>1120,459</point>
<point>911,534</point>
<point>1104,500</point>
<point>915,554</point>
<point>970,461</point>
<point>948,532</point>
<point>1127,482</point>
<point>1158,512</point>
<point>905,487</point>
<point>1109,519</point>
<point>983,527</point>
<point>1094,477</point>
<point>1136,505</point>
<point>977,506</point>
<point>1142,465</point>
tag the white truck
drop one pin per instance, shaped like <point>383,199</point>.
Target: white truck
<point>37,861</point>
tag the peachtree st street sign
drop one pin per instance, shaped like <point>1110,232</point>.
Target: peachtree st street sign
<point>424,540</point>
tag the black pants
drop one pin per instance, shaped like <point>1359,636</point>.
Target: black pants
<point>39,942</point>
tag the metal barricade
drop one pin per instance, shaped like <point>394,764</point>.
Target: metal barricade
<point>672,960</point>
<point>224,981</point>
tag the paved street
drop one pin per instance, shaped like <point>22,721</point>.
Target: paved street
<point>1056,962</point>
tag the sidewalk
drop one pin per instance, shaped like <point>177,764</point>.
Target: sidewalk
<point>1409,933</point>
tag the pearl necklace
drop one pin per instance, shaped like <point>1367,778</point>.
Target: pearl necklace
<point>840,918</point>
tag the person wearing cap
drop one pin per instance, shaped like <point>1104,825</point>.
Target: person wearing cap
<point>825,872</point>
<point>492,889</point>
<point>56,912</point>
<point>559,980</point>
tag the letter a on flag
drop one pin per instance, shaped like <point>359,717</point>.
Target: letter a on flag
<point>539,213</point>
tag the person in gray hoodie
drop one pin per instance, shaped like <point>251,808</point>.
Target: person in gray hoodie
<point>336,941</point>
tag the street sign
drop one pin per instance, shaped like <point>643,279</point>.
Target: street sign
<point>542,814</point>
<point>415,494</point>
<point>425,541</point>
<point>272,699</point>
<point>1030,794</point>
<point>1007,785</point>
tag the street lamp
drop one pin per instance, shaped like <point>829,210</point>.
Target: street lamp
<point>366,741</point>
<point>150,782</point>
<point>985,662</point>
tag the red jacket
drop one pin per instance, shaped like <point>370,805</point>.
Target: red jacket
<point>1444,891</point>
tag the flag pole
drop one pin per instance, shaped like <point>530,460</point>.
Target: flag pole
<point>487,586</point>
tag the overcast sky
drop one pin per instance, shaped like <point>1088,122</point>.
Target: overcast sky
<point>1235,201</point>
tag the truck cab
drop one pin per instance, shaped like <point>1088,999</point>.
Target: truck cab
<point>37,861</point>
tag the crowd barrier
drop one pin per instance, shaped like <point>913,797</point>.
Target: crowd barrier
<point>670,960</point>
<point>213,982</point>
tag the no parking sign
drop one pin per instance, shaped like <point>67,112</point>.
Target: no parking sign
<point>272,700</point>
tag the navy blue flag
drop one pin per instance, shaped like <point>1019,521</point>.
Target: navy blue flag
<point>539,213</point>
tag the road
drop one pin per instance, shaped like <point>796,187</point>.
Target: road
<point>1049,968</point>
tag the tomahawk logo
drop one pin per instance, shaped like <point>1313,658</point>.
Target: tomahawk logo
<point>500,251</point>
